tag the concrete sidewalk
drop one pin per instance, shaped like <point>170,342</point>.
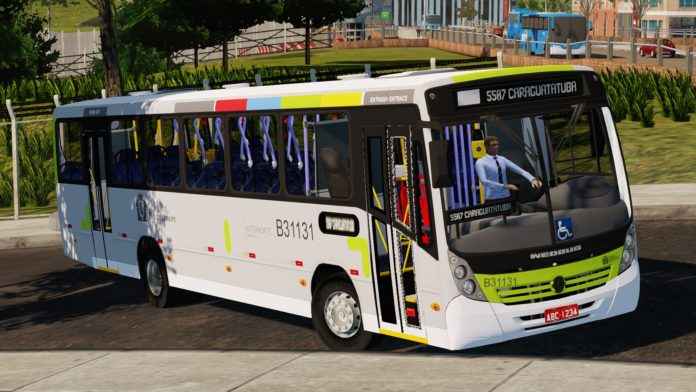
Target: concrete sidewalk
<point>29,233</point>
<point>665,201</point>
<point>326,371</point>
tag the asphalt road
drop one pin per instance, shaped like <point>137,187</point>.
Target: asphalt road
<point>49,302</point>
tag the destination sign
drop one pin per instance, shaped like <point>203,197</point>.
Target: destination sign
<point>520,92</point>
<point>501,207</point>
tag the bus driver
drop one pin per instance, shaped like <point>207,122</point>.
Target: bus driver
<point>492,171</point>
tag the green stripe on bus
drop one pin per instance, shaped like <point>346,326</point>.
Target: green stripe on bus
<point>525,286</point>
<point>512,71</point>
<point>227,233</point>
<point>86,222</point>
<point>359,244</point>
<point>326,100</point>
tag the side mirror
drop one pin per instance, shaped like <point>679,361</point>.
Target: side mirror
<point>440,163</point>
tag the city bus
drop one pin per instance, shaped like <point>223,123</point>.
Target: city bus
<point>557,27</point>
<point>363,204</point>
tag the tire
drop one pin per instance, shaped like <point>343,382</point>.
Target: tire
<point>159,295</point>
<point>338,293</point>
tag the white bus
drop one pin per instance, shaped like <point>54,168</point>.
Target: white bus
<point>449,208</point>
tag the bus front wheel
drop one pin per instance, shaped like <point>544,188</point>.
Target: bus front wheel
<point>154,274</point>
<point>337,317</point>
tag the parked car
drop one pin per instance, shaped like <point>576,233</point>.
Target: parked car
<point>668,49</point>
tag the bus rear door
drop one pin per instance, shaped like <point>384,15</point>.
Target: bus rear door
<point>94,145</point>
<point>389,192</point>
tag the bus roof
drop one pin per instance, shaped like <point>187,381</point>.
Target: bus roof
<point>403,88</point>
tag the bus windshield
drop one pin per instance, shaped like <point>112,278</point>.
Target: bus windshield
<point>530,180</point>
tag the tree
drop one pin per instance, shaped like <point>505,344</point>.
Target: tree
<point>467,11</point>
<point>225,19</point>
<point>314,13</point>
<point>26,50</point>
<point>640,7</point>
<point>107,35</point>
<point>159,25</point>
<point>586,7</point>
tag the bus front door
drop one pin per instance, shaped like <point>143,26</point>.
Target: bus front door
<point>389,193</point>
<point>94,144</point>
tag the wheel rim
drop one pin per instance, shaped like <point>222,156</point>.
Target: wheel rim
<point>154,278</point>
<point>342,314</point>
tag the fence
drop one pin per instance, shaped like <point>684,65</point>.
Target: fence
<point>608,51</point>
<point>266,38</point>
<point>27,172</point>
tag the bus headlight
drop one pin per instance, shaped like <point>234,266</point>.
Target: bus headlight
<point>468,287</point>
<point>630,251</point>
<point>460,272</point>
<point>464,278</point>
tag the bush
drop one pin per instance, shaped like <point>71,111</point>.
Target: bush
<point>37,180</point>
<point>647,116</point>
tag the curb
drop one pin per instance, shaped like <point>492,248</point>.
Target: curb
<point>32,241</point>
<point>670,213</point>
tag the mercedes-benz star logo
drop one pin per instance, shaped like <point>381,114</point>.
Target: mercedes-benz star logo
<point>558,284</point>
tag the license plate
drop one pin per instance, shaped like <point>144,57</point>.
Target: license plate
<point>561,313</point>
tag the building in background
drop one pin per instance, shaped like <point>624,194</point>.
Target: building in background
<point>670,17</point>
<point>418,13</point>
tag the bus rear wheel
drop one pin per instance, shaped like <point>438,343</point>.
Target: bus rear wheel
<point>154,277</point>
<point>337,317</point>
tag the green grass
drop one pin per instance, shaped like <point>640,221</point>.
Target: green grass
<point>372,56</point>
<point>659,155</point>
<point>8,212</point>
<point>77,14</point>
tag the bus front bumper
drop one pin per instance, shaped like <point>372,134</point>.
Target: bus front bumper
<point>474,323</point>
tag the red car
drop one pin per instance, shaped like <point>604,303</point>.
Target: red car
<point>668,49</point>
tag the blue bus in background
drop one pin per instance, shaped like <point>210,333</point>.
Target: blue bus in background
<point>557,26</point>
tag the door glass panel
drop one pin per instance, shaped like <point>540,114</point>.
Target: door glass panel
<point>401,196</point>
<point>400,170</point>
<point>384,278</point>
<point>102,184</point>
<point>376,173</point>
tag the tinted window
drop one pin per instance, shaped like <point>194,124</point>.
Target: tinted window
<point>317,155</point>
<point>254,154</point>
<point>70,167</point>
<point>205,154</point>
<point>162,154</point>
<point>127,153</point>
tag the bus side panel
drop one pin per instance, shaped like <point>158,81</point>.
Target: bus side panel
<point>254,251</point>
<point>127,229</point>
<point>75,222</point>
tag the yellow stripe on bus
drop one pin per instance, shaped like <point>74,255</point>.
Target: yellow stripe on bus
<point>107,269</point>
<point>321,100</point>
<point>405,336</point>
<point>511,71</point>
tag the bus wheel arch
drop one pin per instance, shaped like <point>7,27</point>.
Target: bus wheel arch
<point>332,288</point>
<point>153,272</point>
<point>326,272</point>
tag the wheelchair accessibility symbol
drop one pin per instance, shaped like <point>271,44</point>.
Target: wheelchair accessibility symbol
<point>564,229</point>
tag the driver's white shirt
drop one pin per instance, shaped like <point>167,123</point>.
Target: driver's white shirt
<point>487,172</point>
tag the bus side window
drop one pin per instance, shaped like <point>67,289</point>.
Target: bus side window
<point>70,168</point>
<point>205,154</point>
<point>254,154</point>
<point>127,153</point>
<point>162,153</point>
<point>317,158</point>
